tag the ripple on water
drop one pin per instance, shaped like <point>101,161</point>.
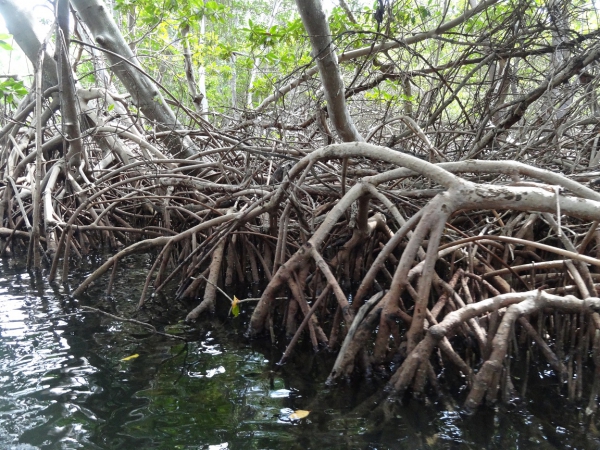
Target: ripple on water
<point>64,383</point>
<point>37,368</point>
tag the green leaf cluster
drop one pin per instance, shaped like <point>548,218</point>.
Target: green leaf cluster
<point>11,90</point>
<point>258,35</point>
<point>4,38</point>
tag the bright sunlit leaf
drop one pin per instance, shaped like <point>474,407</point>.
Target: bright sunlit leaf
<point>235,307</point>
<point>4,38</point>
<point>299,414</point>
<point>129,358</point>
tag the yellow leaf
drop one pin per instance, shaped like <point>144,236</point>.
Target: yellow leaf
<point>235,307</point>
<point>130,357</point>
<point>299,414</point>
<point>431,440</point>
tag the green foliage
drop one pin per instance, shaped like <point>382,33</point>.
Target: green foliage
<point>387,92</point>
<point>87,73</point>
<point>240,39</point>
<point>339,23</point>
<point>184,12</point>
<point>11,90</point>
<point>258,35</point>
<point>4,38</point>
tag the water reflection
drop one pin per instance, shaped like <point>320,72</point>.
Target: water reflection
<point>67,380</point>
<point>65,383</point>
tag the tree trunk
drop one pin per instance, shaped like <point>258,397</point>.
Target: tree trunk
<point>197,97</point>
<point>20,23</point>
<point>202,74</point>
<point>315,23</point>
<point>70,119</point>
<point>143,91</point>
<point>258,61</point>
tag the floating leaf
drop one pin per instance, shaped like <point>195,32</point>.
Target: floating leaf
<point>299,414</point>
<point>431,440</point>
<point>129,358</point>
<point>235,307</point>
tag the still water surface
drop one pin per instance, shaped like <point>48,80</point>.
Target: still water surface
<point>64,385</point>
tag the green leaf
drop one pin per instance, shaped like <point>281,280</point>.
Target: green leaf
<point>11,88</point>
<point>5,45</point>
<point>235,307</point>
<point>423,12</point>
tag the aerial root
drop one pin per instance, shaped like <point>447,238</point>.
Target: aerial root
<point>445,280</point>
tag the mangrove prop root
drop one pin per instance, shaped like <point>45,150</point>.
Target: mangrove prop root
<point>210,293</point>
<point>401,226</point>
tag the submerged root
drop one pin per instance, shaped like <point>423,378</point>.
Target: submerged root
<point>413,261</point>
<point>338,252</point>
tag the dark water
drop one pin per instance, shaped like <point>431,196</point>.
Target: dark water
<point>64,385</point>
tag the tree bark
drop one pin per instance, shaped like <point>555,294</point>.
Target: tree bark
<point>197,98</point>
<point>364,51</point>
<point>70,120</point>
<point>21,25</point>
<point>144,92</point>
<point>315,23</point>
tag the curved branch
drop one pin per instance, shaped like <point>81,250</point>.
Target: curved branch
<point>364,51</point>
